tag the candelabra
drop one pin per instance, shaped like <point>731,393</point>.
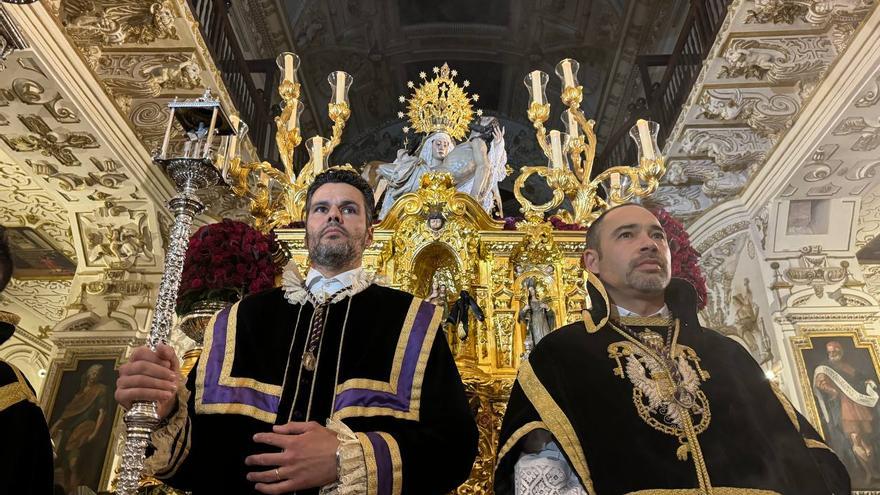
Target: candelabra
<point>278,197</point>
<point>203,122</point>
<point>571,155</point>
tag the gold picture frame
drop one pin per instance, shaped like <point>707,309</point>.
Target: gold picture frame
<point>845,417</point>
<point>72,405</point>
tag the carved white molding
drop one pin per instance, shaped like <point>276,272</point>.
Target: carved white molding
<point>796,151</point>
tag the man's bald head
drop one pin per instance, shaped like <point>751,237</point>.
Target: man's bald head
<point>594,231</point>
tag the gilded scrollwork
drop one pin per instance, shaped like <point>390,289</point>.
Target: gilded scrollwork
<point>50,143</point>
<point>117,237</point>
<point>46,298</point>
<point>130,76</point>
<point>116,23</point>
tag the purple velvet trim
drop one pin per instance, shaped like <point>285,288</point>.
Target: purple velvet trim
<point>400,400</point>
<point>214,393</point>
<point>384,470</point>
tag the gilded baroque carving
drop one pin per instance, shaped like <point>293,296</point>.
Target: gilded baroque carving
<point>105,182</point>
<point>31,92</point>
<point>117,237</point>
<point>130,76</point>
<point>35,208</point>
<point>49,142</point>
<point>116,23</point>
<point>44,297</point>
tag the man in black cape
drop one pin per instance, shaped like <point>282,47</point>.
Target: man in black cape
<point>26,449</point>
<point>335,349</point>
<point>638,398</point>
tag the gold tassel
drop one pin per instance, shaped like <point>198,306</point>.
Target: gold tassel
<point>682,451</point>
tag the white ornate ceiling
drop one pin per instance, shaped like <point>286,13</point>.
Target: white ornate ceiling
<point>764,68</point>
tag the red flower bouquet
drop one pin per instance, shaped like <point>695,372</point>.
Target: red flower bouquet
<point>685,259</point>
<point>226,261</point>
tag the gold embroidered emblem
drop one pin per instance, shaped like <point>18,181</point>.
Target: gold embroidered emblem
<point>678,409</point>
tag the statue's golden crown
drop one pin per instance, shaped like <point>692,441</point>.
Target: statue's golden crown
<point>440,104</point>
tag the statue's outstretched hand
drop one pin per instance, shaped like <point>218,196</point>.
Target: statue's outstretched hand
<point>497,134</point>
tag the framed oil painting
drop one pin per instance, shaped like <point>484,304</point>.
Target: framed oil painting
<point>82,413</point>
<point>34,257</point>
<point>840,381</point>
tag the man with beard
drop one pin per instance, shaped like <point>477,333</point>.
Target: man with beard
<point>26,449</point>
<point>848,401</point>
<point>335,349</point>
<point>638,398</point>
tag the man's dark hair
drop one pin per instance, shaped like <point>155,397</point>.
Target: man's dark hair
<point>5,259</point>
<point>593,230</point>
<point>344,176</point>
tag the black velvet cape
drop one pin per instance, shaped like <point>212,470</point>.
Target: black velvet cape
<point>577,385</point>
<point>399,389</point>
<point>25,448</point>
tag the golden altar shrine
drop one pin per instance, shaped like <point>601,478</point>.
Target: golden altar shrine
<point>435,235</point>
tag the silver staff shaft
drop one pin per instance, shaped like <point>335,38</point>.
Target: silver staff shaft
<point>189,175</point>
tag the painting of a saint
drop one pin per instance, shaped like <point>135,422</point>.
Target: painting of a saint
<point>81,423</point>
<point>844,383</point>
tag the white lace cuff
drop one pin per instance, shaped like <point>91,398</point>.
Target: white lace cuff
<point>171,441</point>
<point>352,475</point>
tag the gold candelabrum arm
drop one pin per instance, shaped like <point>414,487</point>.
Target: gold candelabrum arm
<point>574,183</point>
<point>278,198</point>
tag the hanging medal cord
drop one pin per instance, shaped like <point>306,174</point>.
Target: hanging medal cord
<point>312,351</point>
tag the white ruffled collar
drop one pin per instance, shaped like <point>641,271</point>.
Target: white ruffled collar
<point>295,291</point>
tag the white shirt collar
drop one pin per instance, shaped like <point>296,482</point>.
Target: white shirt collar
<point>318,284</point>
<point>623,312</point>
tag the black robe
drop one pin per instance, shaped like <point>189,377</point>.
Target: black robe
<point>25,448</point>
<point>585,384</point>
<point>399,390</point>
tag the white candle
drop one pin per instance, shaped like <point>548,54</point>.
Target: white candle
<point>292,121</point>
<point>233,139</point>
<point>288,67</point>
<point>167,134</point>
<point>340,87</point>
<point>567,76</point>
<point>556,149</point>
<point>318,154</point>
<point>645,138</point>
<point>536,88</point>
<point>572,125</point>
<point>615,188</point>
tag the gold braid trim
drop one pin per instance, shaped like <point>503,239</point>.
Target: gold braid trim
<point>646,321</point>
<point>816,444</point>
<point>11,318</point>
<point>595,326</point>
<point>721,490</point>
<point>15,392</point>
<point>12,394</point>
<point>370,461</point>
<point>517,435</point>
<point>557,423</point>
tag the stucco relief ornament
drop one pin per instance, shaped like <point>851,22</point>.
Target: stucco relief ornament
<point>115,23</point>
